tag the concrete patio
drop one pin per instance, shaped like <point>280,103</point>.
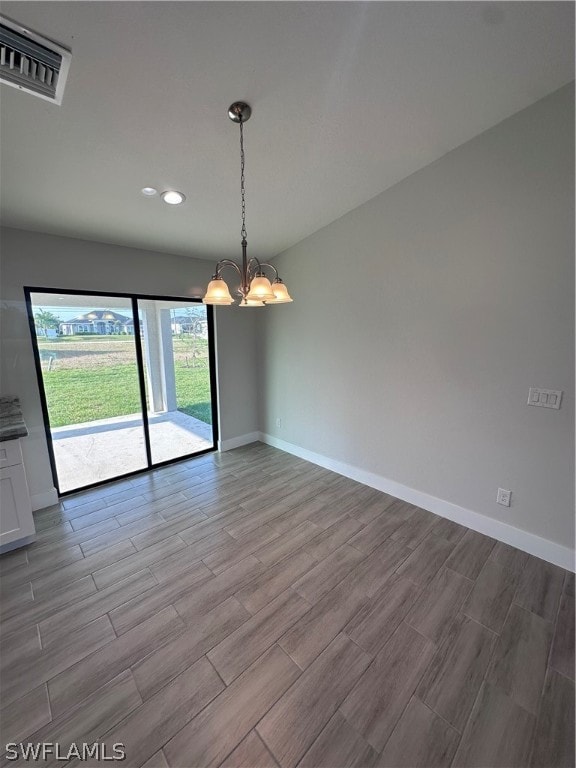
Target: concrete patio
<point>98,450</point>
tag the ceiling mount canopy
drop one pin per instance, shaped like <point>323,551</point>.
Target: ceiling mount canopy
<point>256,289</point>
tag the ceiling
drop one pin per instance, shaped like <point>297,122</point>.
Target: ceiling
<point>347,98</point>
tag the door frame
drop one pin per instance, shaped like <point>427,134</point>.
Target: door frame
<point>133,298</point>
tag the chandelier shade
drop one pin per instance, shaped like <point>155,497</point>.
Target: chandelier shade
<point>255,289</point>
<point>260,289</point>
<point>281,295</point>
<point>217,292</point>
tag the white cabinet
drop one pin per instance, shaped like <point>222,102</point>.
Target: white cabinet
<point>16,521</point>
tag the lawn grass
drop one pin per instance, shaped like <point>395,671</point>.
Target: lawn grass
<point>76,395</point>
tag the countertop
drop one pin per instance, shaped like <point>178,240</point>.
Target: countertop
<point>12,424</point>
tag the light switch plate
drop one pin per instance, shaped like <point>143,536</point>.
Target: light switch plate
<point>547,398</point>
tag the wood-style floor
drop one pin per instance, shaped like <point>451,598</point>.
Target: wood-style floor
<point>251,609</point>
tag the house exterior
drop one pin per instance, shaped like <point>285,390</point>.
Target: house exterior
<point>101,322</point>
<point>186,324</point>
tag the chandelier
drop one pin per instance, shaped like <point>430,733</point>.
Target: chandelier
<point>255,289</point>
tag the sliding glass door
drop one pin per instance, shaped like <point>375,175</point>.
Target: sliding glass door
<point>177,364</point>
<point>126,382</point>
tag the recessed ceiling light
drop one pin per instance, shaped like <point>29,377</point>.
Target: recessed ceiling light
<point>149,191</point>
<point>172,197</point>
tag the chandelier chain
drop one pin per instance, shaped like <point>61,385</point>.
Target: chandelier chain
<point>242,181</point>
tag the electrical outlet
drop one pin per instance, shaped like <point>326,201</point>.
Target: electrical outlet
<point>279,423</point>
<point>503,497</point>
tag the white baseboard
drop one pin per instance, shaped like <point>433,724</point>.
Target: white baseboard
<point>45,499</point>
<point>237,442</point>
<point>528,542</point>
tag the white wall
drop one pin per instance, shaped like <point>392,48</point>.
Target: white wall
<point>421,319</point>
<point>39,260</point>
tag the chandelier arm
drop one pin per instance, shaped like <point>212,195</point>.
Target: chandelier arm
<point>253,266</point>
<point>265,264</point>
<point>226,263</point>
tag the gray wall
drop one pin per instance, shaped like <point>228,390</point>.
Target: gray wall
<point>421,319</point>
<point>46,261</point>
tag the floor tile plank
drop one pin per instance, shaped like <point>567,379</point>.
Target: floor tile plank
<point>426,560</point>
<point>11,560</point>
<point>19,651</point>
<point>562,658</point>
<point>165,530</point>
<point>121,533</point>
<point>146,603</point>
<point>230,554</point>
<point>40,559</point>
<point>320,579</point>
<point>25,675</point>
<point>296,720</point>
<point>367,505</point>
<point>75,615</point>
<point>171,566</point>
<point>48,581</point>
<point>242,647</point>
<point>166,713</point>
<point>273,581</point>
<point>318,509</point>
<point>339,746</point>
<point>380,566</point>
<point>250,753</point>
<point>332,538</point>
<point>57,538</point>
<point>156,761</point>
<point>101,711</point>
<point>317,628</point>
<point>34,612</point>
<point>24,716</point>
<point>451,683</point>
<point>518,666</point>
<point>376,703</point>
<point>232,714</point>
<point>420,739</point>
<point>378,619</point>
<point>381,528</point>
<point>439,604</point>
<point>282,546</point>
<point>310,635</point>
<point>73,685</point>
<point>490,599</point>
<point>111,574</point>
<point>509,557</point>
<point>172,658</point>
<point>540,587</point>
<point>218,588</point>
<point>449,530</point>
<point>499,733</point>
<point>554,740</point>
<point>12,600</point>
<point>470,554</point>
<point>419,524</point>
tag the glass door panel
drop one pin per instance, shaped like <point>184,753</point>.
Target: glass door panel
<point>175,349</point>
<point>86,350</point>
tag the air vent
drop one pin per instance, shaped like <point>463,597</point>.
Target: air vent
<point>31,62</point>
